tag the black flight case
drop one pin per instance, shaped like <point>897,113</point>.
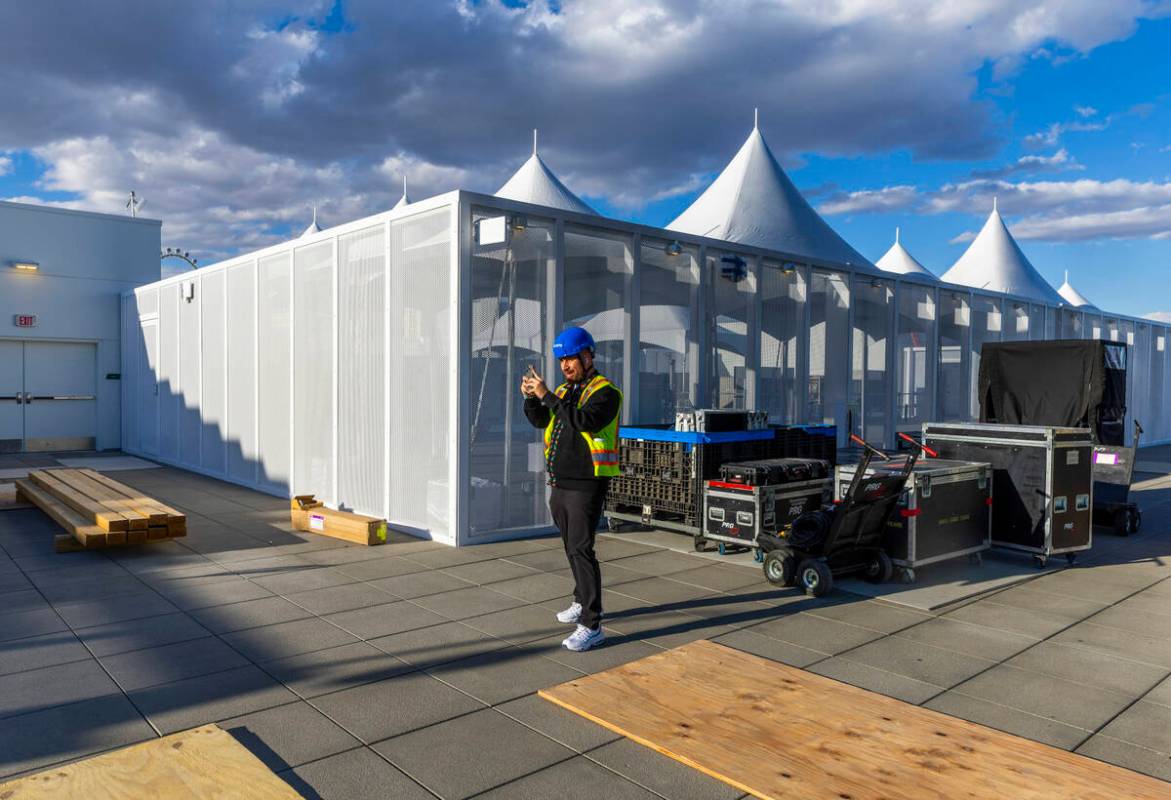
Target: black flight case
<point>1041,482</point>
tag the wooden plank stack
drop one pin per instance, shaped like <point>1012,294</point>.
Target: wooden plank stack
<point>311,515</point>
<point>98,511</point>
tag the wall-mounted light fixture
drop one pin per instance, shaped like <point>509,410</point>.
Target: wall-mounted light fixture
<point>26,266</point>
<point>673,249</point>
<point>789,268</point>
<point>518,223</point>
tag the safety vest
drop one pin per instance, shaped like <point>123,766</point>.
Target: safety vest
<point>603,444</point>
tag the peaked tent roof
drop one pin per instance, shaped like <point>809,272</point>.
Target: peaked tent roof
<point>404,200</point>
<point>994,261</point>
<point>1073,296</point>
<point>313,226</point>
<point>897,259</point>
<point>535,183</point>
<point>753,202</point>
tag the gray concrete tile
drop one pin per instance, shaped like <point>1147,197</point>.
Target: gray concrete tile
<point>450,557</point>
<point>1127,755</point>
<point>38,689</point>
<point>719,578</point>
<point>1009,720</point>
<point>1073,703</point>
<point>437,758</point>
<point>52,735</point>
<point>520,625</point>
<point>661,774</point>
<point>1030,597</point>
<point>505,674</point>
<point>1027,621</point>
<point>139,669</point>
<point>289,736</point>
<point>41,651</point>
<point>964,637</point>
<point>1119,643</point>
<point>394,617</point>
<point>865,676</point>
<point>616,650</point>
<point>575,779</point>
<point>483,573</point>
<point>419,584</point>
<point>348,554</point>
<point>1076,583</point>
<point>93,590</point>
<point>209,698</point>
<point>35,622</point>
<point>873,614</point>
<point>77,573</point>
<point>1161,693</point>
<point>544,560</point>
<point>11,581</point>
<point>661,591</point>
<point>138,634</point>
<point>571,730</point>
<point>332,599</point>
<point>1089,667</point>
<point>1145,724</point>
<point>324,671</point>
<point>470,602</point>
<point>537,587</point>
<point>22,601</point>
<point>354,775</point>
<point>610,548</point>
<point>1155,625</point>
<point>287,639</point>
<point>438,644</point>
<point>248,614</point>
<point>1147,602</point>
<point>373,569</point>
<point>216,590</point>
<point>770,648</point>
<point>662,562</point>
<point>390,707</point>
<point>922,662</point>
<point>816,633</point>
<point>303,580</point>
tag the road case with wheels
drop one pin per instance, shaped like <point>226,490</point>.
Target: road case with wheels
<point>737,513</point>
<point>1041,482</point>
<point>945,512</point>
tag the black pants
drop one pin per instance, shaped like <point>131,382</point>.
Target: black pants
<point>576,514</point>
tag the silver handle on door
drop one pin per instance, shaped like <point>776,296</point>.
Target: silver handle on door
<point>29,398</point>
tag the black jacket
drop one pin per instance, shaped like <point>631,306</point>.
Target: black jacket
<point>569,464</point>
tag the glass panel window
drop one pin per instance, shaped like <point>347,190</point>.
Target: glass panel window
<point>598,266</point>
<point>987,325</point>
<point>782,333</point>
<point>869,380</point>
<point>1071,324</point>
<point>955,322</point>
<point>732,285</point>
<point>915,393</point>
<point>829,323</point>
<point>668,350</point>
<point>1016,321</point>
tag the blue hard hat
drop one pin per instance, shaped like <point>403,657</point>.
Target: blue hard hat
<point>572,341</point>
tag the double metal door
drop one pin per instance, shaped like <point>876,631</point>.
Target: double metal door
<point>48,396</point>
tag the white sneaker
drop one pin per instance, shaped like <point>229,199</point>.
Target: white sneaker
<point>571,615</point>
<point>583,639</point>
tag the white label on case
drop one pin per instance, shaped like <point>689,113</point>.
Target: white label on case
<point>1070,457</point>
<point>316,522</point>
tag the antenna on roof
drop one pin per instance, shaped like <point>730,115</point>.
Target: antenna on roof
<point>134,203</point>
<point>755,119</point>
<point>896,234</point>
<point>534,141</point>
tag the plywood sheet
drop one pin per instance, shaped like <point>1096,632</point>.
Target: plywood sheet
<point>779,732</point>
<point>201,764</point>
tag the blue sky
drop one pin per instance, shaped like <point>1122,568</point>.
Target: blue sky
<point>233,119</point>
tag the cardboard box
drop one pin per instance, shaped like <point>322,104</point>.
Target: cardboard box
<point>310,515</point>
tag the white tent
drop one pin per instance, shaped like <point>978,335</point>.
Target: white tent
<point>994,261</point>
<point>1073,296</point>
<point>898,260</point>
<point>535,183</point>
<point>404,200</point>
<point>753,202</point>
<point>313,226</point>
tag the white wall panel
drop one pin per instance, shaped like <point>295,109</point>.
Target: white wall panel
<point>214,374</point>
<point>313,374</point>
<point>169,395</point>
<point>361,443</point>
<point>241,423</point>
<point>274,364</point>
<point>131,344</point>
<point>189,366</point>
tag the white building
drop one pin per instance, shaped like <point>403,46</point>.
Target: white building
<point>376,364</point>
<point>61,277</point>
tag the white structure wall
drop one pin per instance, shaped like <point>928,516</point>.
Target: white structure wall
<point>377,364</point>
<point>86,261</point>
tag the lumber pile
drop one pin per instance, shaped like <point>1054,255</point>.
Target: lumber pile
<point>311,515</point>
<point>97,511</point>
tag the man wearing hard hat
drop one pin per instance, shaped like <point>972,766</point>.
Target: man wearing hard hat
<point>580,418</point>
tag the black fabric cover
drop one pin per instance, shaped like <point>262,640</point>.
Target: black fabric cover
<point>1072,383</point>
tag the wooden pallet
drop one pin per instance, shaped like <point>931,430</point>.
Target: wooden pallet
<point>97,511</point>
<point>775,731</point>
<point>193,765</point>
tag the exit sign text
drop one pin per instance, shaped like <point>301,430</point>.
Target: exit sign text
<point>25,320</point>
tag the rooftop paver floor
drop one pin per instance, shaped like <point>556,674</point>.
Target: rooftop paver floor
<point>409,670</point>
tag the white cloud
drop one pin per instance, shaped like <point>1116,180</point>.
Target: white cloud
<point>5,165</point>
<point>1159,316</point>
<point>886,199</point>
<point>1061,161</point>
<point>1085,111</point>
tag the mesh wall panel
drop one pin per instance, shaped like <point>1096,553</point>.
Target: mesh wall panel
<point>131,339</point>
<point>420,361</point>
<point>169,399</point>
<point>313,373</point>
<point>275,362</point>
<point>214,371</point>
<point>241,427</point>
<point>361,441</point>
<point>148,302</point>
<point>189,346</point>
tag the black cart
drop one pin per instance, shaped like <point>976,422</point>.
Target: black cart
<point>845,538</point>
<point>1113,473</point>
<point>1041,482</point>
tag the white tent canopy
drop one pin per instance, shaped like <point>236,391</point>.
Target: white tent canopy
<point>994,261</point>
<point>1073,296</point>
<point>404,200</point>
<point>313,226</point>
<point>898,260</point>
<point>753,202</point>
<point>535,183</point>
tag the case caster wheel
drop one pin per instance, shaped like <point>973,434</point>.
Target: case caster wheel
<point>758,556</point>
<point>1039,562</point>
<point>780,568</point>
<point>880,569</point>
<point>1136,519</point>
<point>815,577</point>
<point>700,544</point>
<point>722,549</point>
<point>1070,558</point>
<point>613,525</point>
<point>907,575</point>
<point>975,559</point>
<point>1121,522</point>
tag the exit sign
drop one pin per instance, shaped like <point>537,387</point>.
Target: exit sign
<point>25,320</point>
